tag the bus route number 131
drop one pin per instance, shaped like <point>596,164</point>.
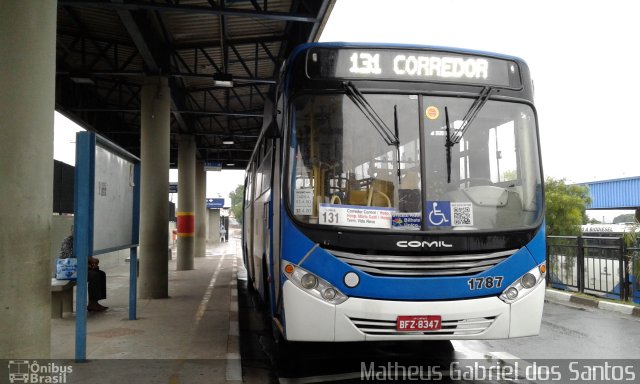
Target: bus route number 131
<point>365,63</point>
<point>330,217</point>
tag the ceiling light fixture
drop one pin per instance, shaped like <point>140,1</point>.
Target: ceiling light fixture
<point>82,79</point>
<point>223,80</point>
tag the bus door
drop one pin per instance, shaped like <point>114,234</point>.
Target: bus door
<point>262,235</point>
<point>247,223</point>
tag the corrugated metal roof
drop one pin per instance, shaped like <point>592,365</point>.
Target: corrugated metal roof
<point>105,50</point>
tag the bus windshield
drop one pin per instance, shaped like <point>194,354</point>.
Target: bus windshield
<point>344,173</point>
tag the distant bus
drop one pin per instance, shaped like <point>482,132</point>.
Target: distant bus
<point>395,193</point>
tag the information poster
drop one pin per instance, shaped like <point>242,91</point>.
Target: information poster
<point>303,202</point>
<point>355,216</point>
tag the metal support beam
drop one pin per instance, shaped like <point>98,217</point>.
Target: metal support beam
<point>191,9</point>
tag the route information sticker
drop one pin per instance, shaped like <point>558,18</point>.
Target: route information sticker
<point>355,216</point>
<point>303,202</point>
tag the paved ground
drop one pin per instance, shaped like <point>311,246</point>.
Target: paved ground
<point>191,337</point>
<point>194,336</point>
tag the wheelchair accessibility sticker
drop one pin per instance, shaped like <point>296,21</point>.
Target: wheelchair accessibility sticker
<point>439,213</point>
<point>448,214</point>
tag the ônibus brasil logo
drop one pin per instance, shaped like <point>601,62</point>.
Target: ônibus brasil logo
<point>25,371</point>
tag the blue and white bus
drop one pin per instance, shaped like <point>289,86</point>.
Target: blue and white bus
<point>396,193</point>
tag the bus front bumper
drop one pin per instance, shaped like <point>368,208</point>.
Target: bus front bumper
<point>310,319</point>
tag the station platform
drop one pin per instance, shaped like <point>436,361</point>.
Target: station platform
<point>190,337</point>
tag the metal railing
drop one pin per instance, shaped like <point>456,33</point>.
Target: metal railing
<point>634,274</point>
<point>593,265</point>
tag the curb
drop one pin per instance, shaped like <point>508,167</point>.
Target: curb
<point>233,372</point>
<point>594,302</point>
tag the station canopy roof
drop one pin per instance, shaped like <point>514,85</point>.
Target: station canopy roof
<point>105,49</point>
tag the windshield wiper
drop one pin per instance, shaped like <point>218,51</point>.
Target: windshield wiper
<point>466,123</point>
<point>367,110</point>
<point>397,143</point>
<point>471,114</point>
<point>448,144</point>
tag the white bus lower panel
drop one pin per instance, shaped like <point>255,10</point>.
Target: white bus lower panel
<point>311,319</point>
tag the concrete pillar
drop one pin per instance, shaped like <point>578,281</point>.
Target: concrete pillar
<point>206,222</point>
<point>214,225</point>
<point>201,208</point>
<point>154,188</point>
<point>27,102</point>
<point>186,202</point>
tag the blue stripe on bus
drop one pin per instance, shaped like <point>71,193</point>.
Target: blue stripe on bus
<point>538,245</point>
<point>325,265</point>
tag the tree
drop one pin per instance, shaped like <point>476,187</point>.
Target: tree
<point>593,221</point>
<point>627,218</point>
<point>237,197</point>
<point>566,207</point>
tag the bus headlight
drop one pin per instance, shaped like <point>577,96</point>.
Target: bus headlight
<point>528,280</point>
<point>524,285</point>
<point>313,285</point>
<point>329,294</point>
<point>308,281</point>
<point>511,293</point>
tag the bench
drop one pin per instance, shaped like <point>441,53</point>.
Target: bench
<point>61,297</point>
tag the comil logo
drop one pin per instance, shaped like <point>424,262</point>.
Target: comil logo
<point>25,371</point>
<point>422,244</point>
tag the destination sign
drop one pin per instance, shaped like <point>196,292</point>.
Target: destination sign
<point>411,65</point>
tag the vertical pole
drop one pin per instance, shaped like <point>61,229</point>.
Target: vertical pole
<point>83,230</point>
<point>27,102</point>
<point>154,183</point>
<point>622,272</point>
<point>186,202</point>
<point>135,239</point>
<point>200,205</point>
<point>548,259</point>
<point>580,262</point>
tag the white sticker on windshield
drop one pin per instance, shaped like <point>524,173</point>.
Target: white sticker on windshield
<point>355,216</point>
<point>303,202</point>
<point>462,214</point>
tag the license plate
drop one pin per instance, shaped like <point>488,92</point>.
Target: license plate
<point>418,323</point>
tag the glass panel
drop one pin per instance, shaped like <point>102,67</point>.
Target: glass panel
<point>494,180</point>
<point>342,170</point>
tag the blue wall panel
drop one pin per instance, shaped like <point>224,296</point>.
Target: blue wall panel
<point>612,194</point>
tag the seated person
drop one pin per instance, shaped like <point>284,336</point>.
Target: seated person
<point>97,279</point>
<point>97,285</point>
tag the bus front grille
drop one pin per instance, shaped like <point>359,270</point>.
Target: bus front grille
<point>462,327</point>
<point>422,266</point>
